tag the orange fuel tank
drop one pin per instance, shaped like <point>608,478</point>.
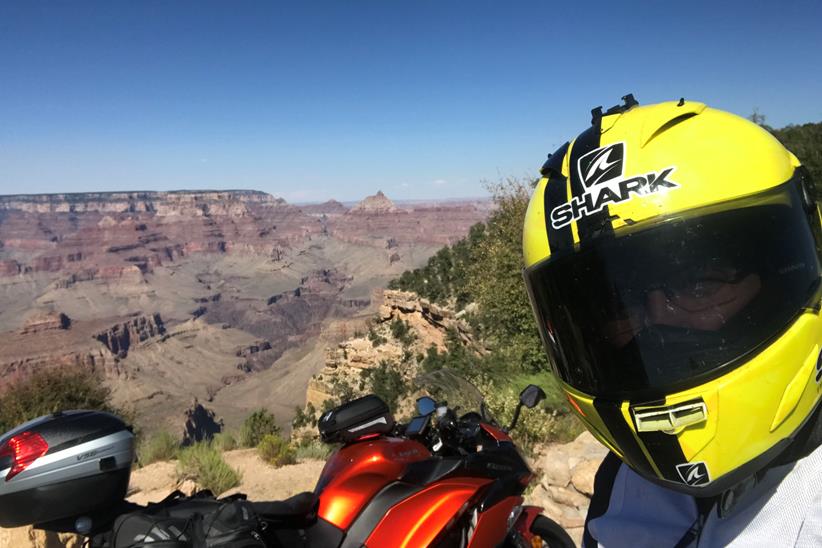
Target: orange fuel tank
<point>355,473</point>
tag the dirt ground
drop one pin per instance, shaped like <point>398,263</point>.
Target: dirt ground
<point>260,481</point>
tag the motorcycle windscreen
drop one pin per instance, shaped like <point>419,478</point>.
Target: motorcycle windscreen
<point>652,311</point>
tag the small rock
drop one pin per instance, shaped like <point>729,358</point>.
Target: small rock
<point>573,461</point>
<point>188,487</point>
<point>555,471</point>
<point>28,537</point>
<point>576,534</point>
<point>539,496</point>
<point>588,446</point>
<point>568,497</point>
<point>572,518</point>
<point>583,476</point>
<point>553,510</point>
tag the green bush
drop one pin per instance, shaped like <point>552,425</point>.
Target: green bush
<point>258,424</point>
<point>224,441</point>
<point>387,383</point>
<point>312,448</point>
<point>433,360</point>
<point>375,338</point>
<point>343,391</point>
<point>304,417</point>
<point>401,332</point>
<point>538,425</point>
<point>205,465</point>
<point>456,357</point>
<point>444,278</point>
<point>273,449</point>
<point>495,282</point>
<point>50,390</point>
<point>157,447</point>
<point>328,405</point>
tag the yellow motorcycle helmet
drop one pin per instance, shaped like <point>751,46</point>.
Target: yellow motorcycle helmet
<point>672,259</point>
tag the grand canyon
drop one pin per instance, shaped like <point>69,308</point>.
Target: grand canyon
<point>226,298</point>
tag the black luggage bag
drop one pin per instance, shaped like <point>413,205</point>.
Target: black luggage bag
<point>201,521</point>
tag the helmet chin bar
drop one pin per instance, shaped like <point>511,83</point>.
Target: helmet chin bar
<point>731,486</point>
<point>728,481</point>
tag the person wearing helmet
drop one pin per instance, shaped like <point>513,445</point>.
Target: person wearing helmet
<point>672,260</point>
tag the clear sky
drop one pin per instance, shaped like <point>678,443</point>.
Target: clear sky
<point>317,99</point>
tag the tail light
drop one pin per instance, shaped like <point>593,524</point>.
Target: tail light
<point>23,449</point>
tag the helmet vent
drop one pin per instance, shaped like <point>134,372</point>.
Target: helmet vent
<point>663,117</point>
<point>671,419</point>
<point>668,125</point>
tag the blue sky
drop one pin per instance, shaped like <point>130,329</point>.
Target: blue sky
<point>312,100</point>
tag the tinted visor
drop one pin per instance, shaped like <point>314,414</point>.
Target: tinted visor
<point>658,310</point>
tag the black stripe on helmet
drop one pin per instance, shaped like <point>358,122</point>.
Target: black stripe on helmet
<point>595,224</point>
<point>623,436</point>
<point>666,452</point>
<point>555,195</point>
<point>663,448</point>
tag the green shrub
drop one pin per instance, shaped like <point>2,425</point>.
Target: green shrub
<point>50,390</point>
<point>456,357</point>
<point>205,465</point>
<point>343,390</point>
<point>304,417</point>
<point>538,425</point>
<point>401,332</point>
<point>387,383</point>
<point>224,441</point>
<point>157,447</point>
<point>444,278</point>
<point>273,449</point>
<point>375,338</point>
<point>256,425</point>
<point>312,448</point>
<point>433,360</point>
<point>328,405</point>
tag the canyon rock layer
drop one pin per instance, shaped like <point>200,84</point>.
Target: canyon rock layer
<point>226,297</point>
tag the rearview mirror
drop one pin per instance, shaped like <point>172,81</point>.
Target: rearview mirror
<point>531,396</point>
<point>426,405</point>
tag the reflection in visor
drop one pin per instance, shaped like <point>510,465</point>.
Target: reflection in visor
<point>657,308</point>
<point>706,302</point>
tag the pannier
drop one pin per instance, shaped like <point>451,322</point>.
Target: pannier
<point>66,465</point>
<point>190,522</point>
<point>360,418</point>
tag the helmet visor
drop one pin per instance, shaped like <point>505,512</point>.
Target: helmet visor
<point>652,311</point>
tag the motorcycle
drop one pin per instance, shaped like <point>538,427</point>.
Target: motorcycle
<point>449,477</point>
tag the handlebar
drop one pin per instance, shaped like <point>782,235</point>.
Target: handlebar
<point>443,432</point>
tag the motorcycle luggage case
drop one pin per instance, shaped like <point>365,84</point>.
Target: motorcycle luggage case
<point>358,418</point>
<point>64,465</point>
